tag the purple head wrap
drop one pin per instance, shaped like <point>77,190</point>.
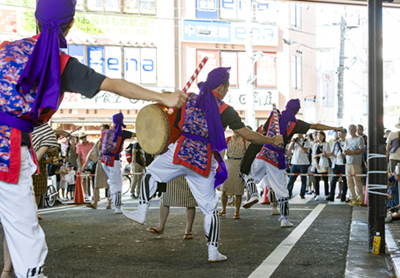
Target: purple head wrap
<point>292,107</point>
<point>206,102</point>
<point>43,67</point>
<point>118,120</point>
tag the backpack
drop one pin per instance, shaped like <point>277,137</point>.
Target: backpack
<point>128,153</point>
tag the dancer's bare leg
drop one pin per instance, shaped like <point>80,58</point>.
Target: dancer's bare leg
<point>164,212</point>
<point>224,201</point>
<point>238,203</point>
<point>8,268</point>
<point>190,214</point>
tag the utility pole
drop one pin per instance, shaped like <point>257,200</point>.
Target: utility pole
<point>377,175</point>
<point>343,27</point>
<point>250,113</point>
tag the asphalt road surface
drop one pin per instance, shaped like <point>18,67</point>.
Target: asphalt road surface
<point>84,242</point>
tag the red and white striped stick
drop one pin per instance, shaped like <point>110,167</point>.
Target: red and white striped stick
<point>276,119</point>
<point>193,78</point>
<point>75,129</point>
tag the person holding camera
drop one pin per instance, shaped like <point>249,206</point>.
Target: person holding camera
<point>300,146</point>
<point>321,163</point>
<point>338,167</point>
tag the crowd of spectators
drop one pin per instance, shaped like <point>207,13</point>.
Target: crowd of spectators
<point>344,154</point>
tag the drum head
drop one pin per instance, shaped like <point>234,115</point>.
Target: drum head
<point>152,129</point>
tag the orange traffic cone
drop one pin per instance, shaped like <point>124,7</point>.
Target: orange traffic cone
<point>78,197</point>
<point>265,198</point>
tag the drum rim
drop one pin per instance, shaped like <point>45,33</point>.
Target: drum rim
<point>168,127</point>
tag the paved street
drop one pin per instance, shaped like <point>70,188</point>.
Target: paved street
<point>98,243</point>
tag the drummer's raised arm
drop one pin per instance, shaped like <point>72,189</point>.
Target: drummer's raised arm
<point>132,91</point>
<point>257,138</point>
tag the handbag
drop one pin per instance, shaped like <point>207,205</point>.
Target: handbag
<point>323,169</point>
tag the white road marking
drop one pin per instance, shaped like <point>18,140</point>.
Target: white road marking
<point>272,262</point>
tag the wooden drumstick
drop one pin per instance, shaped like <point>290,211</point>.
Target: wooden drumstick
<point>276,119</point>
<point>194,76</point>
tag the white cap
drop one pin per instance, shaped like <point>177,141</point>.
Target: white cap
<point>378,233</point>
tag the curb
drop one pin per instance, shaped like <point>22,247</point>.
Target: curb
<point>393,251</point>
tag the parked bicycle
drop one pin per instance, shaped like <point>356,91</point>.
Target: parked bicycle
<point>50,197</point>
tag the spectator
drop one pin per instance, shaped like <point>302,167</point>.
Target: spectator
<point>338,167</point>
<point>321,163</point>
<point>393,191</point>
<point>137,166</point>
<point>364,163</point>
<point>100,178</point>
<point>63,182</point>
<point>70,178</point>
<point>43,141</point>
<point>393,212</point>
<point>82,150</point>
<point>354,148</point>
<point>234,185</point>
<point>386,135</point>
<point>70,151</point>
<point>392,149</point>
<point>311,179</point>
<point>55,166</point>
<point>300,163</point>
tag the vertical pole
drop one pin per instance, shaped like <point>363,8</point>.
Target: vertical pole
<point>341,72</point>
<point>177,45</point>
<point>376,203</point>
<point>250,113</point>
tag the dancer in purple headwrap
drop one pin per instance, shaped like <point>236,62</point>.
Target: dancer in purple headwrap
<point>112,142</point>
<point>270,162</point>
<point>195,155</point>
<point>34,74</point>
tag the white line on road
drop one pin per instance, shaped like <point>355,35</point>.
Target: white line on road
<point>278,255</point>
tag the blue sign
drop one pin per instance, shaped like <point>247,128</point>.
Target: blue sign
<point>228,32</point>
<point>206,31</point>
<point>96,58</point>
<point>207,9</point>
<point>78,52</point>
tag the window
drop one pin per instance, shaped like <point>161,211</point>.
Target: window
<point>230,59</point>
<point>140,6</point>
<point>265,68</point>
<point>95,5</point>
<point>112,5</point>
<point>212,63</point>
<point>148,6</point>
<point>296,15</point>
<point>296,72</point>
<point>80,4</point>
<point>266,71</point>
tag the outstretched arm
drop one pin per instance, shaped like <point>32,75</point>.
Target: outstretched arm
<point>257,138</point>
<point>132,91</point>
<point>325,127</point>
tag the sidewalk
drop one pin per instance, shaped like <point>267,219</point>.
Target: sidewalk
<point>393,244</point>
